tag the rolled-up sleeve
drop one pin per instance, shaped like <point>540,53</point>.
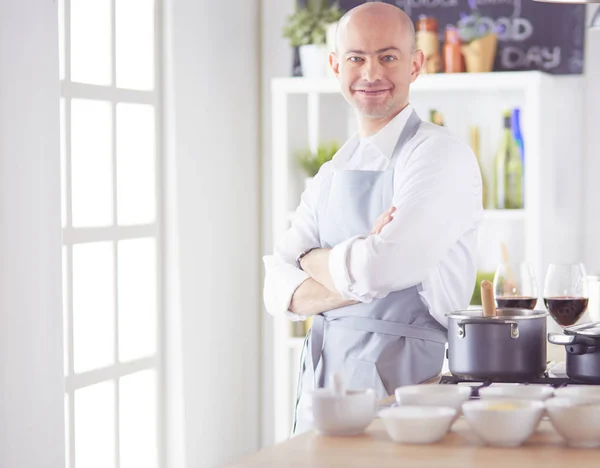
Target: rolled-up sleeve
<point>437,195</point>
<point>282,277</point>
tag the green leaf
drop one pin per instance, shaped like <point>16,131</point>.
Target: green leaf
<point>309,25</point>
<point>310,162</point>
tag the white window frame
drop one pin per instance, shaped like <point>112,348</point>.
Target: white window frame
<point>114,233</point>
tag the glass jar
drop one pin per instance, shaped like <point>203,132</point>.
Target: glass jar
<point>428,42</point>
<point>453,58</point>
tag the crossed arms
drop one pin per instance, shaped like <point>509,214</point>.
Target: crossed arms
<point>318,293</point>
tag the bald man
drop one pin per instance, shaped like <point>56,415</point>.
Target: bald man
<point>383,243</point>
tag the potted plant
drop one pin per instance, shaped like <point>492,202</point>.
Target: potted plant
<point>307,28</point>
<point>479,41</point>
<point>311,162</point>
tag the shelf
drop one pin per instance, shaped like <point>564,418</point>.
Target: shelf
<point>496,81</point>
<point>304,111</point>
<point>504,215</point>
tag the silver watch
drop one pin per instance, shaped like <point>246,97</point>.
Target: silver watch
<point>302,255</point>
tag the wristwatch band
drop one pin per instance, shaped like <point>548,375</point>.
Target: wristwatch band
<point>302,255</point>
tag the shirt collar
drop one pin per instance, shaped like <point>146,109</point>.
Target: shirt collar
<point>385,140</point>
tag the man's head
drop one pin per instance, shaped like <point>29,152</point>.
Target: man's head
<point>375,59</point>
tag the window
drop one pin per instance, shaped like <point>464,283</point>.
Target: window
<point>110,153</point>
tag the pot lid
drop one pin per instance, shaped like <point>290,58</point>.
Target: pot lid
<point>501,314</point>
<point>591,329</point>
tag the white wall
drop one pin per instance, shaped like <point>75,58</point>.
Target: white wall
<point>31,356</point>
<point>591,228</point>
<point>212,241</point>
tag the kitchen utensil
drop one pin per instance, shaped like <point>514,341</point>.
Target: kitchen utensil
<point>417,424</point>
<point>576,421</point>
<point>342,415</point>
<point>515,285</point>
<point>516,392</point>
<point>510,345</point>
<point>566,292</point>
<point>487,299</point>
<point>505,423</point>
<point>582,343</point>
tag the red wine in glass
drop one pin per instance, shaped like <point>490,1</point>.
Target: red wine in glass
<point>516,302</point>
<point>566,310</point>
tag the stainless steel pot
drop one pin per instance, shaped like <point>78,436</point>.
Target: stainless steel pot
<point>510,345</point>
<point>582,343</point>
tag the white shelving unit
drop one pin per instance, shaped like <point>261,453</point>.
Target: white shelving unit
<point>305,112</point>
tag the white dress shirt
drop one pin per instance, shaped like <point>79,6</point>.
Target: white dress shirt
<point>431,240</point>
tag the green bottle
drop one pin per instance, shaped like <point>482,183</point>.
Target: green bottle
<point>508,170</point>
<point>500,166</point>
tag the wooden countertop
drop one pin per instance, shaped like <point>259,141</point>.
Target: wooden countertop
<point>459,448</point>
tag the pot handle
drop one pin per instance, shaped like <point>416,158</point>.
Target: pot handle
<point>514,327</point>
<point>574,344</point>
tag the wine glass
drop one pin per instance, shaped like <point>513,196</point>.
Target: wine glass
<point>566,292</point>
<point>515,286</point>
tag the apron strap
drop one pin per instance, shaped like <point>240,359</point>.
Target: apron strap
<point>368,324</point>
<point>317,330</point>
<point>386,327</point>
<point>410,129</point>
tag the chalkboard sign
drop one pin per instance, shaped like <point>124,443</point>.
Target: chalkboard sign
<point>533,35</point>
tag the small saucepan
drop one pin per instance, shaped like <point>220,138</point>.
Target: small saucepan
<point>582,344</point>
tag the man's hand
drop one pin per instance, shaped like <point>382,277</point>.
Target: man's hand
<point>316,264</point>
<point>383,219</point>
<point>311,298</point>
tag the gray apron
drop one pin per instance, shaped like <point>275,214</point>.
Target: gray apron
<point>385,344</point>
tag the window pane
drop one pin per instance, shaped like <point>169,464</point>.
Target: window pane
<point>135,44</point>
<point>95,426</point>
<point>93,306</point>
<point>61,39</point>
<point>137,418</point>
<point>65,307</point>
<point>91,41</point>
<point>136,193</point>
<point>63,165</point>
<point>91,163</point>
<point>137,298</point>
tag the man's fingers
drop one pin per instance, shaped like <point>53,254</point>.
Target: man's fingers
<point>381,224</point>
<point>383,219</point>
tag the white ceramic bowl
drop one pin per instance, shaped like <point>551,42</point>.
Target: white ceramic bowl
<point>503,422</point>
<point>417,424</point>
<point>576,420</point>
<point>342,415</point>
<point>448,396</point>
<point>516,392</point>
<point>578,392</point>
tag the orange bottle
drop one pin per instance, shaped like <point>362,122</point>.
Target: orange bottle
<point>453,59</point>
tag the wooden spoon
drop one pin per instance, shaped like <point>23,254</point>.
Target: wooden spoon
<point>487,299</point>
